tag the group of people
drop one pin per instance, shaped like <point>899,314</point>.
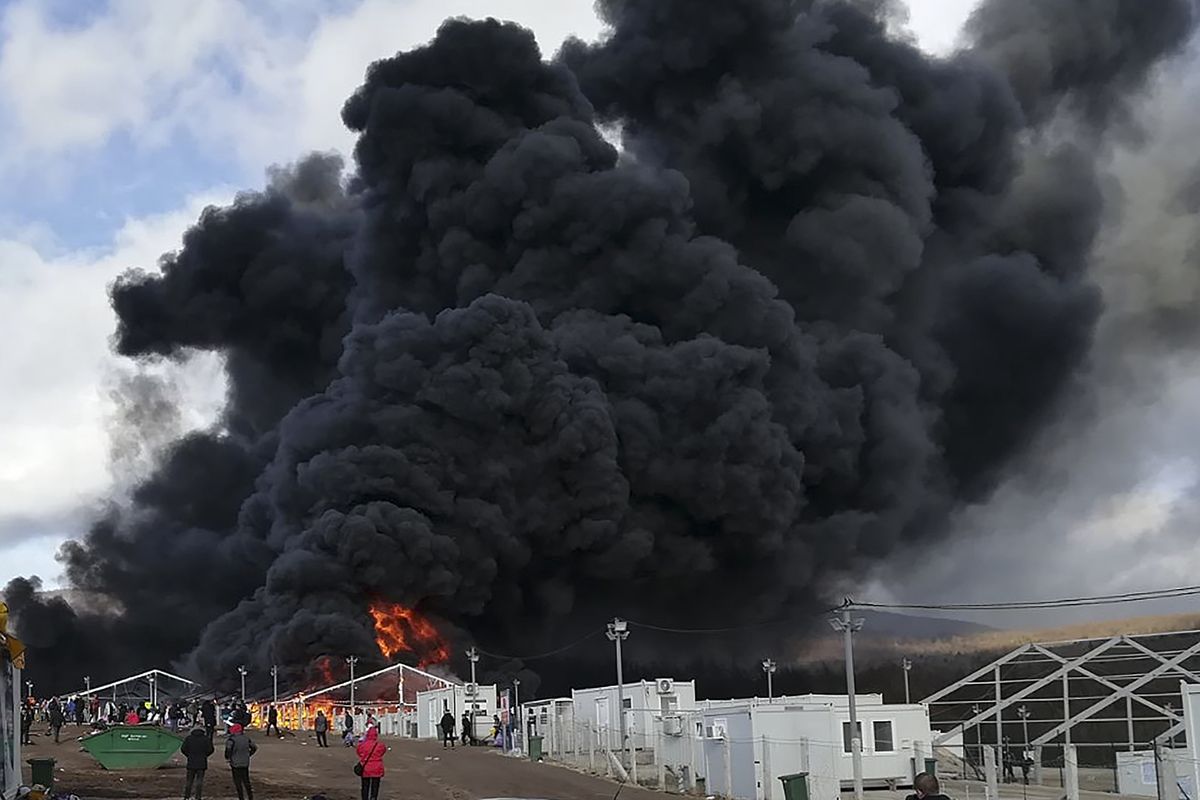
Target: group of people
<point>468,730</point>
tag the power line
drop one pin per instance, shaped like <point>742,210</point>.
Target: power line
<point>735,628</point>
<point>1064,602</point>
<point>547,654</point>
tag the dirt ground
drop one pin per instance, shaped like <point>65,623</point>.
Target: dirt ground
<point>296,768</point>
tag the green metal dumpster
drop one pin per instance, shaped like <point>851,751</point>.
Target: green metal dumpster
<point>132,747</point>
<point>931,766</point>
<point>41,770</point>
<point>795,787</point>
<point>535,748</point>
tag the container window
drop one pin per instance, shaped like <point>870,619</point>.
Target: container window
<point>846,738</point>
<point>884,740</point>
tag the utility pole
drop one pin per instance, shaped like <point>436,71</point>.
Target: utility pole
<point>29,688</point>
<point>769,667</point>
<point>473,657</point>
<point>87,683</point>
<point>154,693</point>
<point>275,684</point>
<point>618,631</point>
<point>906,665</point>
<point>242,671</point>
<point>517,702</point>
<point>848,626</point>
<point>1023,713</point>
<point>352,660</point>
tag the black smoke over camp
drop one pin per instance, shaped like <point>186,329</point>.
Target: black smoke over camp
<point>523,380</point>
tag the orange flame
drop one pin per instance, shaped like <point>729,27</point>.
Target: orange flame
<point>400,629</point>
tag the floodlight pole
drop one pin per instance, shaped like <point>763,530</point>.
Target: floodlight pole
<point>242,672</point>
<point>473,657</point>
<point>769,667</point>
<point>906,665</point>
<point>275,684</point>
<point>87,683</point>
<point>29,689</point>
<point>618,631</point>
<point>848,626</point>
<point>154,693</point>
<point>352,660</point>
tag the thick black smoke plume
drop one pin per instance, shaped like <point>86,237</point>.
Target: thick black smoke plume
<point>521,380</point>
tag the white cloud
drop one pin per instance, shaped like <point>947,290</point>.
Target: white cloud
<point>55,323</point>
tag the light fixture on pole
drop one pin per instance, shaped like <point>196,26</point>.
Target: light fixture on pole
<point>352,660</point>
<point>87,683</point>
<point>242,671</point>
<point>29,688</point>
<point>906,665</point>
<point>848,626</point>
<point>618,631</point>
<point>769,667</point>
<point>473,657</point>
<point>153,693</point>
<point>275,684</point>
<point>1023,713</point>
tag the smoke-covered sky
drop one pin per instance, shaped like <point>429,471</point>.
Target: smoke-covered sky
<point>121,123</point>
<point>835,312</point>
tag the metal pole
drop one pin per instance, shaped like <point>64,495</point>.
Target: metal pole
<point>769,667</point>
<point>275,684</point>
<point>1066,709</point>
<point>517,711</point>
<point>1129,719</point>
<point>242,672</point>
<point>352,660</point>
<point>29,688</point>
<point>848,626</point>
<point>473,657</point>
<point>906,665</point>
<point>618,631</point>
<point>978,735</point>
<point>999,720</point>
<point>87,682</point>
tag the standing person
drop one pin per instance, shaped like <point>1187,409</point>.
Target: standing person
<point>238,750</point>
<point>370,755</point>
<point>468,736</point>
<point>197,747</point>
<point>175,716</point>
<point>321,726</point>
<point>56,719</point>
<point>26,723</point>
<point>273,721</point>
<point>447,729</point>
<point>348,726</point>
<point>80,710</point>
<point>208,712</point>
<point>925,787</point>
<point>132,717</point>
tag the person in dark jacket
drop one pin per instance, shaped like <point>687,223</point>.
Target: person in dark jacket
<point>447,729</point>
<point>208,712</point>
<point>26,723</point>
<point>926,788</point>
<point>55,713</point>
<point>273,721</point>
<point>197,747</point>
<point>347,726</point>
<point>321,726</point>
<point>238,750</point>
<point>468,736</point>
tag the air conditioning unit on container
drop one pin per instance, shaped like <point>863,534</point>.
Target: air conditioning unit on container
<point>665,685</point>
<point>673,725</point>
<point>471,689</point>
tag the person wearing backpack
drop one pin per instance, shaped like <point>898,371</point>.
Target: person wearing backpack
<point>370,763</point>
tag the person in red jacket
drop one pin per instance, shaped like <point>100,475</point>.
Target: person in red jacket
<point>370,754</point>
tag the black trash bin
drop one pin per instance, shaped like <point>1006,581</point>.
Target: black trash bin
<point>41,770</point>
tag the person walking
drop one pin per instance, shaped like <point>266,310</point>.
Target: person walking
<point>238,750</point>
<point>370,757</point>
<point>273,721</point>
<point>447,729</point>
<point>55,714</point>
<point>348,727</point>
<point>321,726</point>
<point>197,747</point>
<point>467,735</point>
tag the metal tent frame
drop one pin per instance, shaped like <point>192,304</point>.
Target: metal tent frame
<point>151,676</point>
<point>1050,693</point>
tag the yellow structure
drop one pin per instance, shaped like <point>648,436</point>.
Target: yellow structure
<point>12,661</point>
